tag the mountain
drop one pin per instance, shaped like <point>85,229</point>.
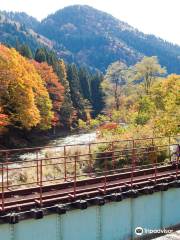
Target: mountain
<point>87,36</point>
<point>91,37</point>
<point>17,28</point>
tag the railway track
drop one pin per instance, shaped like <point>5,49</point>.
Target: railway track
<point>67,192</point>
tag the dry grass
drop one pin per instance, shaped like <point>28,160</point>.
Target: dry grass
<point>54,165</point>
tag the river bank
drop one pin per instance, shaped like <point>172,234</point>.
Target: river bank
<point>19,139</point>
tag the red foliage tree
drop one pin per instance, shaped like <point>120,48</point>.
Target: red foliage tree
<point>54,87</point>
<point>3,120</point>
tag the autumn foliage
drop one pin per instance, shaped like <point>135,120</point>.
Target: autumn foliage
<point>108,126</point>
<point>54,87</point>
<point>28,92</point>
<point>3,120</point>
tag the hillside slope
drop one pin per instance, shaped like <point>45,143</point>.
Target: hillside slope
<point>17,28</point>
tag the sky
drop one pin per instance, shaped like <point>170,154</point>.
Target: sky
<point>159,17</point>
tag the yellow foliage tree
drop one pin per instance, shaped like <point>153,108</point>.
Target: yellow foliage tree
<point>166,96</point>
<point>23,94</point>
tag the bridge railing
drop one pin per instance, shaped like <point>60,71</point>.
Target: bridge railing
<point>39,167</point>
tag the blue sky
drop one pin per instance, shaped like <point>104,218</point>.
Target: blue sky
<point>160,17</point>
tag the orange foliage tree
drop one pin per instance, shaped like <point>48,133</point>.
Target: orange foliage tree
<point>54,87</point>
<point>23,94</point>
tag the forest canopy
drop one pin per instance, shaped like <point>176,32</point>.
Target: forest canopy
<point>44,91</point>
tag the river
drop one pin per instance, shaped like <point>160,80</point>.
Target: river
<point>81,138</point>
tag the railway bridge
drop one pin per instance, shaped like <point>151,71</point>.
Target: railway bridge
<point>116,190</point>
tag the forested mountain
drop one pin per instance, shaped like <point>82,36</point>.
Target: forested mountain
<point>87,36</point>
<point>97,39</point>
